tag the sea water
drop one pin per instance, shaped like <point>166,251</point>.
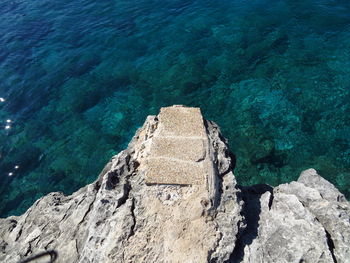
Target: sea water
<point>77,78</point>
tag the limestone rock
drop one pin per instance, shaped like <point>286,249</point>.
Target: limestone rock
<point>304,221</point>
<point>171,196</point>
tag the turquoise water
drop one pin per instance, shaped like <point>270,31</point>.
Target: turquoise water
<point>79,77</point>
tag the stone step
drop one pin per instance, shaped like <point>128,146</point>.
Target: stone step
<point>182,148</point>
<point>161,170</point>
<point>181,121</point>
<point>178,150</point>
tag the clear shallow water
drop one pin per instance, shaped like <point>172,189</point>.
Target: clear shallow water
<point>79,77</point>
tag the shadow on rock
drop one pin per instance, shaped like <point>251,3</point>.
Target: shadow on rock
<point>251,212</point>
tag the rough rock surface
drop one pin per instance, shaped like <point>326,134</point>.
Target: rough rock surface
<point>172,197</point>
<point>122,217</point>
<point>303,221</point>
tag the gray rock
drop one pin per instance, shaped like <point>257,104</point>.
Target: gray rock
<point>303,221</point>
<point>130,214</point>
<point>121,218</point>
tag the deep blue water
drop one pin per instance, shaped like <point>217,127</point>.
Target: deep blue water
<point>79,77</point>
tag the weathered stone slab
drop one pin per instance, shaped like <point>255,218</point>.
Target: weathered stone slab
<point>178,147</point>
<point>178,150</point>
<point>181,121</point>
<point>172,171</point>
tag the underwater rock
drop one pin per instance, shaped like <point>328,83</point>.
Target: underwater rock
<point>171,196</point>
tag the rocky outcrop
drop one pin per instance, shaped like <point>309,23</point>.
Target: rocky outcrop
<point>304,221</point>
<point>172,197</point>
